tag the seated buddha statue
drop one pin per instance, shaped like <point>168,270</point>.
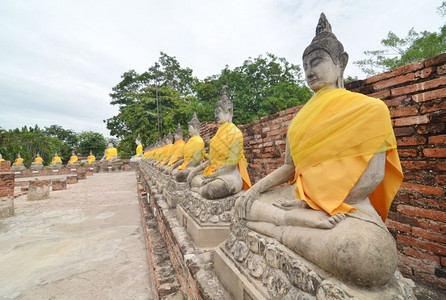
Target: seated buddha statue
<point>73,159</point>
<point>18,161</point>
<point>1,158</point>
<point>37,163</point>
<point>225,173</point>
<point>91,158</point>
<point>163,153</point>
<point>176,153</point>
<point>139,150</point>
<point>56,161</point>
<point>193,154</point>
<point>110,153</point>
<point>342,161</point>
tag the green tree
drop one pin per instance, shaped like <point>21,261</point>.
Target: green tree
<point>402,51</point>
<point>92,141</point>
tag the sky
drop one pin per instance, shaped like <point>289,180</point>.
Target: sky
<point>60,59</point>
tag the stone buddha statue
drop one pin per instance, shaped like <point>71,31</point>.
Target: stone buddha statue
<point>139,150</point>
<point>18,164</point>
<point>56,161</point>
<point>225,173</point>
<point>176,154</point>
<point>1,158</point>
<point>342,162</point>
<point>73,160</point>
<point>37,163</point>
<point>163,152</point>
<point>110,153</point>
<point>194,152</point>
<point>91,158</point>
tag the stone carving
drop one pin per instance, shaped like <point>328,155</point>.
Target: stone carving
<point>341,158</point>
<point>225,173</point>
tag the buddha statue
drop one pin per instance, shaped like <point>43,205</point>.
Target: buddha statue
<point>342,161</point>
<point>225,173</point>
<point>194,152</point>
<point>37,163</point>
<point>1,158</point>
<point>139,150</point>
<point>176,154</point>
<point>73,160</point>
<point>164,152</point>
<point>18,163</point>
<point>56,161</point>
<point>110,153</point>
<point>91,158</point>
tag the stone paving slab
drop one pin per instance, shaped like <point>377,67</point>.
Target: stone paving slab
<point>85,242</point>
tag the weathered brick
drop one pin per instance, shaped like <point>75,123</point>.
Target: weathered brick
<point>403,131</point>
<point>435,152</point>
<point>424,266</point>
<point>440,179</point>
<point>431,95</point>
<point>403,112</point>
<point>424,245</point>
<point>436,60</point>
<point>397,80</point>
<point>438,139</point>
<point>424,73</point>
<point>433,106</point>
<point>422,213</point>
<point>437,128</point>
<point>381,94</point>
<point>441,70</point>
<point>428,235</point>
<point>411,141</point>
<point>404,90</point>
<point>414,165</point>
<point>424,189</point>
<point>398,71</point>
<point>397,226</point>
<point>413,120</point>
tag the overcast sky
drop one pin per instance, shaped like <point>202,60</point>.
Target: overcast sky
<point>60,59</point>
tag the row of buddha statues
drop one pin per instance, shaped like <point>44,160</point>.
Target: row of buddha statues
<point>110,154</point>
<point>328,202</point>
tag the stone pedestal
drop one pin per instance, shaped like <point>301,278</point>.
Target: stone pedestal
<point>206,221</point>
<point>38,190</point>
<point>60,184</point>
<point>6,207</point>
<point>174,192</point>
<point>89,172</point>
<point>253,266</point>
<point>161,181</point>
<point>111,166</point>
<point>71,179</point>
<point>36,167</point>
<point>81,174</point>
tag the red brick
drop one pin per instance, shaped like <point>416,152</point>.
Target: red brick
<point>396,101</point>
<point>422,255</point>
<point>431,106</point>
<point>434,83</point>
<point>404,90</point>
<point>431,95</point>
<point>403,131</point>
<point>441,70</point>
<point>438,139</point>
<point>381,94</point>
<point>431,128</point>
<point>411,141</point>
<point>428,235</point>
<point>436,60</point>
<point>422,213</point>
<point>403,112</point>
<point>430,225</point>
<point>443,261</point>
<point>397,226</point>
<point>412,176</point>
<point>424,245</point>
<point>418,264</point>
<point>435,152</point>
<point>431,279</point>
<point>414,120</point>
<point>424,189</point>
<point>414,165</point>
<point>397,80</point>
<point>398,71</point>
<point>407,152</point>
<point>437,165</point>
<point>440,179</point>
<point>424,73</point>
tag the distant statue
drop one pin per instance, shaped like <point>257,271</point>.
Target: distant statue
<point>139,150</point>
<point>177,151</point>
<point>91,158</point>
<point>225,173</point>
<point>73,159</point>
<point>111,153</point>
<point>193,154</point>
<point>37,164</point>
<point>18,163</point>
<point>164,152</point>
<point>341,158</point>
<point>56,161</point>
<point>1,158</point>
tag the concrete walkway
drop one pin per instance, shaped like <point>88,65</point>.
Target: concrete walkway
<point>85,242</point>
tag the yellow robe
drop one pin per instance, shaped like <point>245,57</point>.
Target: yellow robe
<point>111,152</point>
<point>332,139</point>
<point>38,161</point>
<point>56,159</point>
<point>139,151</point>
<point>165,153</point>
<point>1,159</point>
<point>73,159</point>
<point>226,148</point>
<point>91,159</point>
<point>194,144</point>
<point>177,152</point>
<point>18,161</point>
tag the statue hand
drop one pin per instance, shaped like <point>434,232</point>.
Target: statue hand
<point>190,177</point>
<point>289,204</point>
<point>244,202</point>
<point>330,222</point>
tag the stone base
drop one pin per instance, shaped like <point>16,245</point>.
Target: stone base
<point>58,185</point>
<point>71,179</point>
<point>57,166</point>
<point>81,174</point>
<point>253,266</point>
<point>111,166</point>
<point>38,190</point>
<point>6,207</point>
<point>88,172</point>
<point>15,168</point>
<point>204,235</point>
<point>174,192</point>
<point>36,167</point>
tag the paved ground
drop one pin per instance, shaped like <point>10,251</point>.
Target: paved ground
<point>85,242</point>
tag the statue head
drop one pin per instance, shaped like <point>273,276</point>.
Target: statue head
<point>224,108</point>
<point>55,153</point>
<point>194,125</point>
<point>18,155</point>
<point>1,155</point>
<point>72,153</point>
<point>138,140</point>
<point>38,154</point>
<point>178,133</point>
<point>91,152</point>
<point>324,60</point>
<point>168,138</point>
<point>110,144</point>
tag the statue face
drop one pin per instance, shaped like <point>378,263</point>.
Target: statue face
<point>320,70</point>
<point>178,137</point>
<point>192,130</point>
<point>222,115</point>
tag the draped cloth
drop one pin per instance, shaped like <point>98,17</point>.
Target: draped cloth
<point>177,152</point>
<point>193,145</point>
<point>111,152</point>
<point>56,160</point>
<point>91,159</point>
<point>139,151</point>
<point>165,153</point>
<point>332,139</point>
<point>72,160</point>
<point>226,148</point>
<point>18,161</point>
<point>38,161</point>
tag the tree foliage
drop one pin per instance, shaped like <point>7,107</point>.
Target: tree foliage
<point>92,141</point>
<point>398,51</point>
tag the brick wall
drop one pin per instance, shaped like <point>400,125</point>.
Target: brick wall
<point>6,185</point>
<point>416,97</point>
